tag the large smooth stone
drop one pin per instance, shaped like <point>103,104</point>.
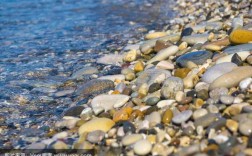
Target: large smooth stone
<point>232,78</point>
<point>238,48</point>
<point>171,86</point>
<point>154,35</point>
<point>114,59</point>
<point>182,117</point>
<point>113,77</point>
<point>214,25</point>
<point>164,54</point>
<point>240,36</point>
<point>95,87</point>
<point>216,71</point>
<point>109,101</point>
<point>243,55</point>
<point>151,76</point>
<point>84,71</point>
<point>103,124</point>
<point>205,120</point>
<point>198,57</point>
<point>195,38</point>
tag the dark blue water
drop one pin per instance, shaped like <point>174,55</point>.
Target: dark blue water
<point>43,41</point>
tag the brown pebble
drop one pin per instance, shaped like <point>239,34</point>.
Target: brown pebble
<point>167,117</point>
<point>160,44</point>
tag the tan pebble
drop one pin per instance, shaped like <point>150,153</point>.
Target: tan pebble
<point>165,65</point>
<point>131,139</point>
<point>151,138</point>
<point>190,81</point>
<point>211,36</point>
<point>181,72</point>
<point>198,103</point>
<point>139,66</point>
<point>142,147</point>
<point>143,89</point>
<point>160,149</point>
<point>232,125</point>
<point>212,47</point>
<point>185,141</point>
<point>60,145</point>
<point>155,35</point>
<point>162,45</point>
<point>130,76</point>
<point>191,65</point>
<point>171,132</point>
<point>248,151</point>
<point>103,124</point>
<point>130,56</point>
<point>167,116</point>
<point>180,95</point>
<point>183,45</point>
<point>161,136</point>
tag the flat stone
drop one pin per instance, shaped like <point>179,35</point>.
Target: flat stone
<point>244,84</point>
<point>113,77</point>
<point>217,70</point>
<point>198,57</point>
<point>238,48</point>
<point>199,113</point>
<point>142,147</point>
<point>103,124</point>
<point>241,36</point>
<point>84,71</point>
<point>227,99</point>
<point>182,117</point>
<point>164,54</point>
<point>154,87</point>
<point>171,86</point>
<point>205,120</point>
<point>155,35</point>
<point>153,117</point>
<point>195,38</point>
<point>114,59</point>
<point>217,92</point>
<point>167,116</point>
<point>131,139</point>
<point>95,87</point>
<point>245,127</point>
<point>165,65</point>
<point>73,111</point>
<point>109,101</point>
<point>233,78</point>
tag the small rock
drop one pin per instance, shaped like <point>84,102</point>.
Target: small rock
<point>216,93</point>
<point>128,127</point>
<point>167,116</point>
<point>139,66</point>
<point>236,59</point>
<point>155,35</point>
<point>84,71</point>
<point>227,99</point>
<point>241,36</point>
<point>171,86</point>
<point>165,65</point>
<point>182,117</point>
<point>199,113</point>
<point>154,87</point>
<point>154,117</point>
<point>131,139</point>
<point>181,72</point>
<point>130,56</point>
<point>232,125</point>
<point>245,127</point>
<point>152,101</point>
<point>142,147</point>
<point>73,111</point>
<point>244,84</point>
<point>186,32</point>
<point>95,136</point>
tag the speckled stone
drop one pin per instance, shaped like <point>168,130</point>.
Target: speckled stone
<point>182,117</point>
<point>195,38</point>
<point>205,120</point>
<point>186,32</point>
<point>95,87</point>
<point>154,87</point>
<point>73,111</point>
<point>216,93</point>
<point>152,101</point>
<point>198,57</point>
<point>171,86</point>
<point>227,99</point>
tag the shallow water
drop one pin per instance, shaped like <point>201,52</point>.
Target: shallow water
<point>43,42</point>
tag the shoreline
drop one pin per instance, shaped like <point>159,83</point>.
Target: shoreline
<point>184,91</point>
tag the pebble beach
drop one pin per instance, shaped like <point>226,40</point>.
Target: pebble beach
<point>185,89</point>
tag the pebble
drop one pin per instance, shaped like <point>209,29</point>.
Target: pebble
<point>154,87</point>
<point>84,71</point>
<point>245,127</point>
<point>249,59</point>
<point>142,147</point>
<point>217,70</point>
<point>171,86</point>
<point>227,99</point>
<point>198,57</point>
<point>186,32</point>
<point>112,77</point>
<point>217,92</point>
<point>95,87</point>
<point>131,139</point>
<point>199,113</point>
<point>162,45</point>
<point>122,114</point>
<point>237,22</point>
<point>164,54</point>
<point>86,114</point>
<point>228,58</point>
<point>95,136</point>
<point>152,101</point>
<point>244,84</point>
<point>167,116</point>
<point>128,127</point>
<point>195,38</point>
<point>205,120</point>
<point>153,118</point>
<point>181,72</point>
<point>155,35</point>
<point>182,117</point>
<point>165,65</point>
<point>238,48</point>
<point>113,59</point>
<point>102,124</point>
<point>165,103</point>
<point>108,102</point>
<point>240,36</point>
<point>232,125</point>
<point>203,94</point>
<point>236,59</point>
<point>74,111</point>
<point>232,78</point>
<point>130,56</point>
<point>139,66</point>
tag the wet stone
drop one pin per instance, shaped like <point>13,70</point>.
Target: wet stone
<point>167,116</point>
<point>128,127</point>
<point>95,87</point>
<point>73,111</point>
<point>186,32</point>
<point>131,139</point>
<point>181,72</point>
<point>216,125</point>
<point>205,120</point>
<point>198,57</point>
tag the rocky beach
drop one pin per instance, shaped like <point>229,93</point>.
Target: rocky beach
<point>184,89</point>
